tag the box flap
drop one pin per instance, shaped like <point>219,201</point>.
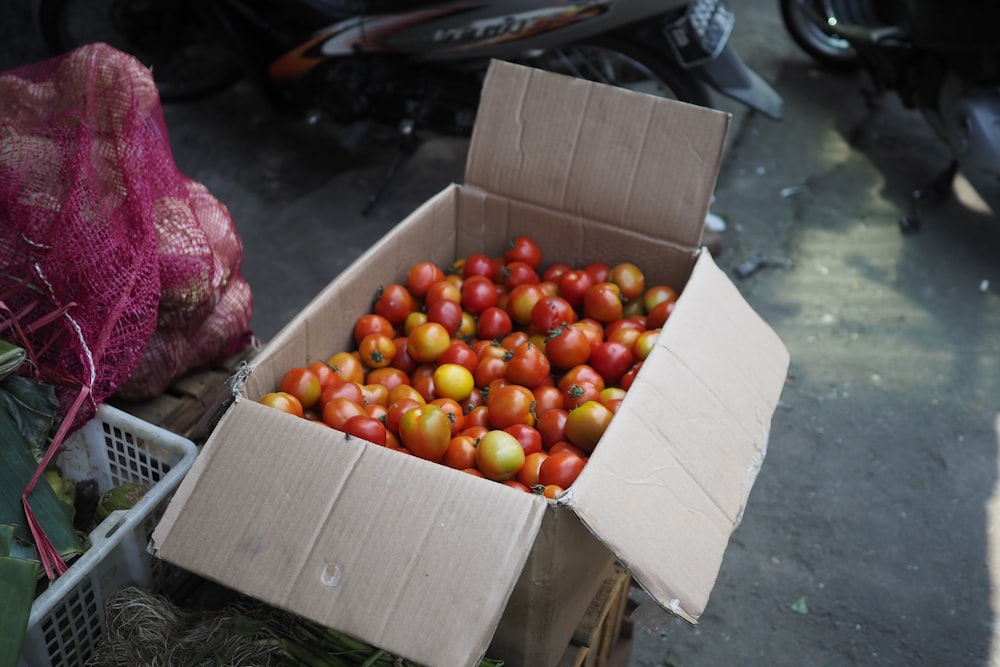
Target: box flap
<point>330,530</point>
<point>601,152</point>
<point>668,483</point>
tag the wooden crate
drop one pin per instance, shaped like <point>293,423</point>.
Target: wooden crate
<point>598,640</point>
<point>193,404</point>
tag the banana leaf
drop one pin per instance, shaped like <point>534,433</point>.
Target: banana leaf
<point>34,407</point>
<point>17,593</point>
<point>17,466</point>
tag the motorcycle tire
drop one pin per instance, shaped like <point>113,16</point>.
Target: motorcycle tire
<point>624,64</point>
<point>802,21</point>
<point>187,58</point>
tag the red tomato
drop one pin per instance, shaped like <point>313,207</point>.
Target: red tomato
<point>493,323</point>
<point>403,361</point>
<point>421,276</point>
<point>443,289</point>
<point>323,372</point>
<point>394,302</point>
<point>499,455</point>
<point>551,313</point>
<point>405,391</point>
<point>579,374</point>
<point>564,446</point>
<point>629,378</point>
<point>461,452</point>
<point>578,393</point>
<point>303,384</point>
<point>551,425</point>
<point>519,273</point>
<point>454,411</point>
<point>283,401</point>
<point>611,359</point>
<point>372,323</point>
<point>659,314</point>
<point>586,424</point>
<point>552,491</point>
<point>367,428</point>
<point>643,345</point>
<point>347,366</point>
<point>528,365</point>
<point>513,339</point>
<point>426,431</point>
<point>478,294</point>
<point>337,411</point>
<point>554,270</point>
<point>624,335</point>
<point>593,329</point>
<point>395,411</point>
<point>560,469</point>
<point>459,352</point>
<point>567,347</point>
<point>377,350</point>
<point>374,393</point>
<point>510,404</point>
<point>478,264</point>
<point>522,300</point>
<point>474,400</point>
<point>352,391</point>
<point>547,397</point>
<point>427,342</point>
<point>446,313</point>
<point>573,285</point>
<point>603,302</point>
<point>599,271</point>
<point>657,294</point>
<point>524,249</point>
<point>629,279</point>
<point>389,377</point>
<point>528,436</point>
<point>528,474</point>
<point>489,369</point>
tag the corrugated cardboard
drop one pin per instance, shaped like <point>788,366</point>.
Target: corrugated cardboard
<point>437,565</point>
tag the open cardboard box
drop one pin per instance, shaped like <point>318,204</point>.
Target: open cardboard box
<point>442,567</point>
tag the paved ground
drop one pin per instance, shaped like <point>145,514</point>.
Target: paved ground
<point>867,540</point>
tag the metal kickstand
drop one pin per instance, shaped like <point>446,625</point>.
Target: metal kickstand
<point>405,148</point>
<point>934,191</point>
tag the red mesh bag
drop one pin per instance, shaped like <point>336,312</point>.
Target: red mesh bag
<point>104,245</point>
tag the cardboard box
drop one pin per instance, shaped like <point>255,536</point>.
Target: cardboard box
<point>437,565</point>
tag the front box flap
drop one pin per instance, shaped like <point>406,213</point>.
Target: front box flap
<point>668,483</point>
<point>604,153</point>
<point>405,554</point>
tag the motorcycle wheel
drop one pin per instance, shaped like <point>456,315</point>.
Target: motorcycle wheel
<point>805,23</point>
<point>187,58</point>
<point>623,64</point>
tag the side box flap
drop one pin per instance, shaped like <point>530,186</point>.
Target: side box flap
<point>380,545</point>
<point>668,483</point>
<point>604,153</point>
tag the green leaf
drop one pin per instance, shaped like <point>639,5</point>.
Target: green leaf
<point>17,594</point>
<point>16,469</point>
<point>34,408</point>
<point>800,606</point>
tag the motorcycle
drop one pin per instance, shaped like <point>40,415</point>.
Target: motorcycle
<point>408,64</point>
<point>941,59</point>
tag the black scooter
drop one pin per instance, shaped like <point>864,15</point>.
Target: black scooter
<point>941,58</point>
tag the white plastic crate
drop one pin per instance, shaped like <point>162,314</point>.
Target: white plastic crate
<point>67,620</point>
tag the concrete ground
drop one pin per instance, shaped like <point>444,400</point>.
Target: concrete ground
<point>868,539</point>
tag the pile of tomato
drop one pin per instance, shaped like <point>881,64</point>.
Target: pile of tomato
<point>496,366</point>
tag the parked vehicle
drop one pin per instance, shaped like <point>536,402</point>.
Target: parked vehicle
<point>413,64</point>
<point>940,58</point>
